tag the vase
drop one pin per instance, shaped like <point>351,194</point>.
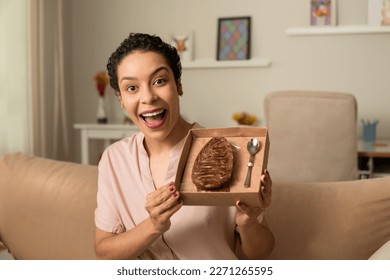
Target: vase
<point>369,131</point>
<point>320,21</point>
<point>101,112</point>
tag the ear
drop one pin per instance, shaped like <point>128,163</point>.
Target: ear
<point>118,94</point>
<point>179,87</point>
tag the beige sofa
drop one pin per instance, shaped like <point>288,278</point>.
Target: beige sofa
<point>47,209</point>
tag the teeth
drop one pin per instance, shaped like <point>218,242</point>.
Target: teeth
<point>148,115</point>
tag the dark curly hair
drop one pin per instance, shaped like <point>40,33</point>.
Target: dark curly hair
<point>142,42</point>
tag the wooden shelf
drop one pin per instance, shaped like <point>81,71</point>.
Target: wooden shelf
<point>337,30</point>
<point>212,63</point>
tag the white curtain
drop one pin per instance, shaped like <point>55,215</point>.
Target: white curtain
<point>50,128</point>
<point>61,124</point>
<point>14,109</point>
<point>36,71</point>
<point>33,105</point>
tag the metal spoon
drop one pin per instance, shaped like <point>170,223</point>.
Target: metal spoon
<point>253,147</point>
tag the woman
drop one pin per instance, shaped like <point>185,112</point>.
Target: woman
<point>139,212</point>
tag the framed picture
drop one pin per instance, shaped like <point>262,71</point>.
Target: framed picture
<point>322,12</point>
<point>385,13</point>
<point>183,42</point>
<point>378,12</point>
<point>234,38</point>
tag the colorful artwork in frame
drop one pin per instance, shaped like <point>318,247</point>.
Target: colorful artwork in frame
<point>322,12</point>
<point>234,38</point>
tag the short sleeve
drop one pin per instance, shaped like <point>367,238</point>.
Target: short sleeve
<point>107,213</point>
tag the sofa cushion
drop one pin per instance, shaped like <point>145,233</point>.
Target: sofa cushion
<point>338,220</point>
<point>47,208</point>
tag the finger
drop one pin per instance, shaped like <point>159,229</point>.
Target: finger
<point>165,214</point>
<point>160,195</point>
<point>249,211</point>
<point>266,183</point>
<point>162,221</point>
<point>266,179</point>
<point>265,197</point>
<point>171,201</point>
<point>240,205</point>
<point>174,208</point>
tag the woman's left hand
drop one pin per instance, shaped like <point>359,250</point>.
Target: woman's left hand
<point>246,214</point>
<point>255,238</point>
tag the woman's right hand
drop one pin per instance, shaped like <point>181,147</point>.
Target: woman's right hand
<point>161,205</point>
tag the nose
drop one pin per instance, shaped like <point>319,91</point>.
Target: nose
<point>148,96</point>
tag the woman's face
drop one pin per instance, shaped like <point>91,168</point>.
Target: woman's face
<point>148,92</point>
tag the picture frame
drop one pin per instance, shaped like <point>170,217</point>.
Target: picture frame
<point>323,12</point>
<point>385,11</point>
<point>378,12</point>
<point>184,44</point>
<point>234,38</point>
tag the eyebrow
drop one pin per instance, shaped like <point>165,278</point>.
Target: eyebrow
<point>150,75</point>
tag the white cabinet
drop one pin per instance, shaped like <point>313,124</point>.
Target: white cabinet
<point>106,132</point>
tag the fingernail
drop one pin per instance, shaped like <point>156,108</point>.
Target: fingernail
<point>175,194</point>
<point>171,183</point>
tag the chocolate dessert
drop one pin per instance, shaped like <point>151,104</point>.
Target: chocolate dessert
<point>214,164</point>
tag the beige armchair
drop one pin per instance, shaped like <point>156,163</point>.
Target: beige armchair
<point>313,136</point>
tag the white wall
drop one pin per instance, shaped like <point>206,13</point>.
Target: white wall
<point>346,63</point>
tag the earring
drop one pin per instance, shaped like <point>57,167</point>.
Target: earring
<point>122,107</point>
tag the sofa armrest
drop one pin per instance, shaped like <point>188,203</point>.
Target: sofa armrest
<point>383,253</point>
<point>47,208</point>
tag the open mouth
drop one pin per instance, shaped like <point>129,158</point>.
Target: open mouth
<point>154,119</point>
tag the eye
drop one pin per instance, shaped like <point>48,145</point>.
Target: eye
<point>159,81</point>
<point>131,88</point>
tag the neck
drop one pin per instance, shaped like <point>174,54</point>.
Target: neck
<point>181,129</point>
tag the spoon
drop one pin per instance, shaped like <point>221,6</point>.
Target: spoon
<point>253,147</point>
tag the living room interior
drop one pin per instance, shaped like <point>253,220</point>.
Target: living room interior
<point>49,91</point>
<point>354,62</point>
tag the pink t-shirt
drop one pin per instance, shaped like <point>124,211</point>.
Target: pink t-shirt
<point>196,232</point>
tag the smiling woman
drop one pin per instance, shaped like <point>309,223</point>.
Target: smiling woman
<point>139,213</point>
<point>148,92</point>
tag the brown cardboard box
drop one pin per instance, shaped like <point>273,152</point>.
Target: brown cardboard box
<point>238,137</point>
